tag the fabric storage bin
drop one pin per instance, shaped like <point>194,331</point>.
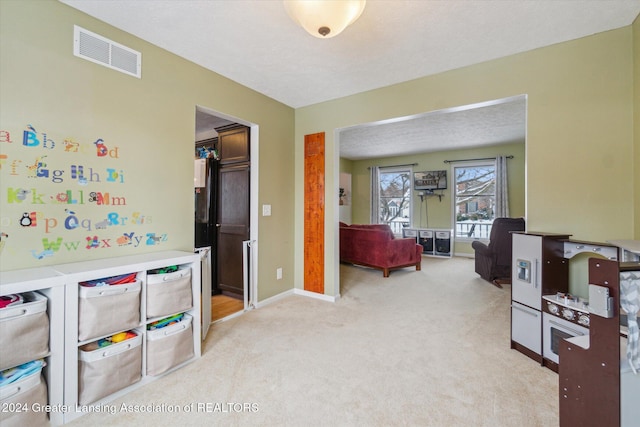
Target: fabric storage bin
<point>106,309</point>
<point>19,399</point>
<point>24,331</point>
<point>169,293</point>
<point>169,346</point>
<point>108,369</point>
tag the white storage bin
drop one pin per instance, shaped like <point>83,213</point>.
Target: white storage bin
<point>409,232</point>
<point>169,346</point>
<point>22,402</point>
<point>24,331</point>
<point>103,310</point>
<point>169,293</point>
<point>108,369</point>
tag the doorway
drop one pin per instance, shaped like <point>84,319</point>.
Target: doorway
<point>423,138</point>
<point>225,211</point>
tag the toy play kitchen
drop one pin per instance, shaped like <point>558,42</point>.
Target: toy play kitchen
<point>583,339</point>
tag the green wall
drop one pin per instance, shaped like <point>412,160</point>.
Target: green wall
<point>152,122</point>
<point>439,211</point>
<point>580,143</point>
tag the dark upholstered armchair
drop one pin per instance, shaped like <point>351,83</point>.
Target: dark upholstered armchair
<point>493,261</point>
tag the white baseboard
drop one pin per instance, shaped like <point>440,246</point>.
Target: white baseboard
<point>296,291</point>
<point>274,298</point>
<point>316,295</point>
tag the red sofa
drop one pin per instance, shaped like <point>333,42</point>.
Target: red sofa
<point>374,245</point>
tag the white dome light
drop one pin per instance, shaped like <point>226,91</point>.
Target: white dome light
<point>324,18</point>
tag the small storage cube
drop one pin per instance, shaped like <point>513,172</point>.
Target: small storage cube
<point>106,370</point>
<point>443,243</point>
<point>169,293</point>
<point>24,330</point>
<point>409,232</point>
<point>103,310</point>
<point>23,402</point>
<point>169,346</point>
<point>425,238</point>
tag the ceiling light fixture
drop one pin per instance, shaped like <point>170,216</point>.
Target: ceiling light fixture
<point>324,18</point>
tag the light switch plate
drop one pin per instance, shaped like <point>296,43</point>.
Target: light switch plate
<point>266,210</point>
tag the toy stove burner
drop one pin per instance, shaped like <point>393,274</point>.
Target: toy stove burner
<point>569,307</point>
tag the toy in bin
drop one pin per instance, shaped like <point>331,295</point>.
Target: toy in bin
<point>16,373</point>
<point>11,300</point>
<point>110,281</point>
<point>165,322</point>
<point>164,270</point>
<point>105,342</point>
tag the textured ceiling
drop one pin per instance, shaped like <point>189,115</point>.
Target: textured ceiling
<point>490,123</point>
<point>256,44</point>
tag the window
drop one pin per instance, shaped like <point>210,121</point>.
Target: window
<point>394,197</point>
<point>475,197</point>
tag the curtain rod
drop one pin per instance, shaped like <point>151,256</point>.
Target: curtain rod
<point>471,160</point>
<point>395,166</point>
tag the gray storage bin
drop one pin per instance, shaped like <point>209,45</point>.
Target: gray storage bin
<point>19,399</point>
<point>108,369</point>
<point>24,331</point>
<point>169,293</point>
<point>104,310</point>
<point>169,346</point>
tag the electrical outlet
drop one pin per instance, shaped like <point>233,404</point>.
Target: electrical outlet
<point>279,273</point>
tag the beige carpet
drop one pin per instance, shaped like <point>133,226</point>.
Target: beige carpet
<point>427,348</point>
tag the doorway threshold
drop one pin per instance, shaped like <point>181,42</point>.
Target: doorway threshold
<point>224,307</point>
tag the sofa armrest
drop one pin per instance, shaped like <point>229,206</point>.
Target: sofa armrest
<point>481,248</point>
<point>402,251</point>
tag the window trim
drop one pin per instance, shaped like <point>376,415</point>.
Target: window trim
<point>454,196</point>
<point>392,169</point>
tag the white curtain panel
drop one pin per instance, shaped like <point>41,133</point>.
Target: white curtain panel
<point>375,192</point>
<point>630,302</point>
<point>502,195</point>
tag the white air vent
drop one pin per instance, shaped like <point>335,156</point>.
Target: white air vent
<point>103,51</point>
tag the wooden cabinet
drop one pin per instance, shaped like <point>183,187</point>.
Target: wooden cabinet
<point>233,144</point>
<point>232,217</point>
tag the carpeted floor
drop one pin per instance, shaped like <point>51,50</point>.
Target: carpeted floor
<point>426,348</point>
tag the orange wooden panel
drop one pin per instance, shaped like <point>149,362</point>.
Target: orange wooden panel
<point>314,212</point>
